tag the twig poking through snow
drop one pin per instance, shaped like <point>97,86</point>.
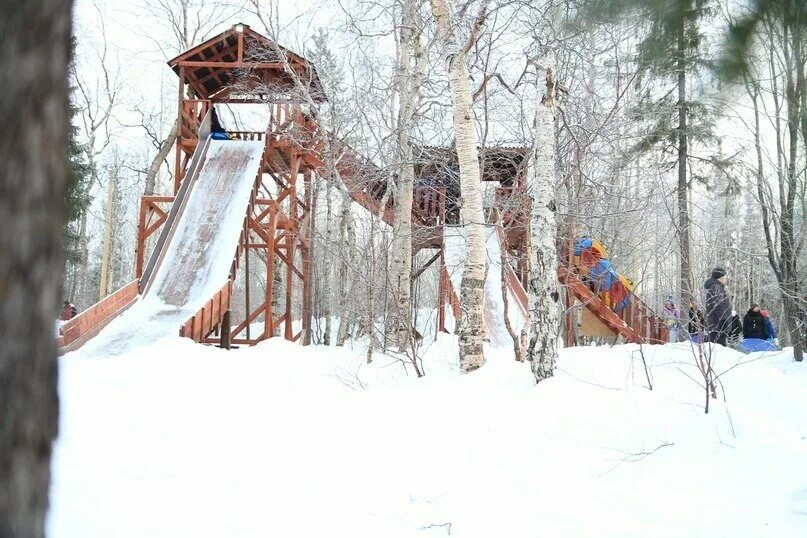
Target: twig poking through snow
<point>633,457</point>
<point>434,525</point>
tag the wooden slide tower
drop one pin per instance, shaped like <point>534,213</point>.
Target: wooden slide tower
<point>240,66</point>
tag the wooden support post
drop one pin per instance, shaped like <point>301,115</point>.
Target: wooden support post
<point>291,239</point>
<point>269,319</point>
<point>288,333</point>
<point>441,293</point>
<point>570,324</point>
<point>566,258</point>
<point>141,241</point>
<point>629,317</point>
<point>225,330</point>
<point>645,321</point>
<point>178,149</point>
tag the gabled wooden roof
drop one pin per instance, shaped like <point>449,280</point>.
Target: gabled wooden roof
<point>503,164</point>
<point>240,62</point>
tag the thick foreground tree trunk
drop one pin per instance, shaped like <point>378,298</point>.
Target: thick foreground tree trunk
<point>544,293</point>
<point>35,40</point>
<point>472,288</point>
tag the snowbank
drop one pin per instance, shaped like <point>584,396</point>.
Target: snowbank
<point>177,439</point>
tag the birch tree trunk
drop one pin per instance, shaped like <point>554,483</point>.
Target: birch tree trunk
<point>347,243</point>
<point>472,288</point>
<point>35,38</point>
<point>106,252</point>
<point>159,159</point>
<point>368,321</point>
<point>410,54</point>
<point>326,262</point>
<point>544,293</point>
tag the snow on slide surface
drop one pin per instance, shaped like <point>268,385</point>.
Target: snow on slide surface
<point>494,305</point>
<point>199,254</point>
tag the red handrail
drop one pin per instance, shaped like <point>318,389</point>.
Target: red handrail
<point>246,135</point>
<point>78,330</point>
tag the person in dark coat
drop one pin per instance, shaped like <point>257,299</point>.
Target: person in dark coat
<point>718,307</point>
<point>217,130</point>
<point>68,311</point>
<point>215,123</point>
<point>754,324</point>
<point>735,329</point>
<point>695,322</point>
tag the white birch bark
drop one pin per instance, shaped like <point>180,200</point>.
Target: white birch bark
<point>156,163</point>
<point>544,292</point>
<point>472,293</point>
<point>368,320</point>
<point>410,53</point>
<point>347,252</point>
<point>109,219</point>
<point>326,263</point>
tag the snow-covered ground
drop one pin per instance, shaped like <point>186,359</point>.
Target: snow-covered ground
<point>176,439</point>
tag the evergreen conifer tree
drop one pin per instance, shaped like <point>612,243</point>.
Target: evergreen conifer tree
<point>77,197</point>
<point>671,119</point>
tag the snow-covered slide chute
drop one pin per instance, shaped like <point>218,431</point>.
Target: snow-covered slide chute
<point>192,259</point>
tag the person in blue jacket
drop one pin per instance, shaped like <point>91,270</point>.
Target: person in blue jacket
<point>769,327</point>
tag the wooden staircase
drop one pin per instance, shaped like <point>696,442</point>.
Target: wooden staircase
<point>636,323</point>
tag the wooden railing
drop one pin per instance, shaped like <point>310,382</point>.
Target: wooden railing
<point>146,226</point>
<point>364,181</point>
<point>207,318</point>
<point>87,324</point>
<point>429,205</point>
<point>193,113</point>
<point>247,135</point>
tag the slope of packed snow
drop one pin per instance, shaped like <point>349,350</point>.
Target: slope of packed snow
<point>199,254</point>
<point>176,439</point>
<point>498,335</point>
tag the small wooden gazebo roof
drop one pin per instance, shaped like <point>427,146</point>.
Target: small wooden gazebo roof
<point>503,164</point>
<point>240,63</point>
